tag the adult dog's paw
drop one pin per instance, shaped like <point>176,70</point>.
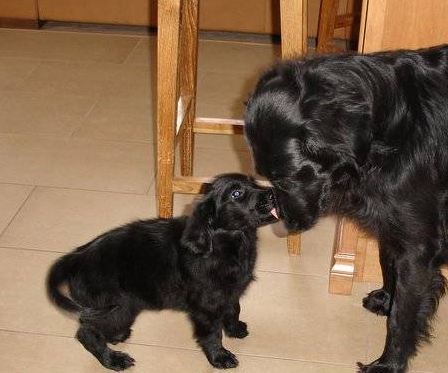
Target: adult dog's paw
<point>378,301</point>
<point>118,360</point>
<point>377,367</point>
<point>239,330</point>
<point>223,359</point>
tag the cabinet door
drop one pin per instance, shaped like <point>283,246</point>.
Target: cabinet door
<point>398,24</point>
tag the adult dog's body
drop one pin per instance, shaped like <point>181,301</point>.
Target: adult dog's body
<point>200,264</point>
<point>366,136</point>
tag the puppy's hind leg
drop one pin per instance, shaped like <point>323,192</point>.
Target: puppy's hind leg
<point>233,327</point>
<point>94,341</point>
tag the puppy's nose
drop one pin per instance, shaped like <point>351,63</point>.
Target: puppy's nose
<point>271,195</point>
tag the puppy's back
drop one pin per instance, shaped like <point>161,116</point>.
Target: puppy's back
<point>139,259</point>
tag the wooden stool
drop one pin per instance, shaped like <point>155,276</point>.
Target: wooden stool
<point>329,20</point>
<point>177,47</point>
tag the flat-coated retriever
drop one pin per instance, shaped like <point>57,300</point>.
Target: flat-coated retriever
<point>200,264</point>
<point>366,136</point>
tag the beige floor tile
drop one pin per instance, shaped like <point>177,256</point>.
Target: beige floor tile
<point>229,142</point>
<point>216,110</point>
<point>431,358</point>
<point>54,114</point>
<point>64,46</point>
<point>305,315</point>
<point>119,119</point>
<point>11,199</point>
<point>42,354</point>
<point>24,306</point>
<point>14,71</point>
<point>144,53</point>
<point>289,315</point>
<point>223,57</point>
<point>229,91</point>
<point>97,79</point>
<point>210,162</point>
<point>76,163</point>
<point>316,250</point>
<point>61,219</point>
<point>133,82</point>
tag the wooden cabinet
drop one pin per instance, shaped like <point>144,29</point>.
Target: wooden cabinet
<point>398,24</point>
<point>255,16</point>
<point>385,25</point>
<point>19,13</point>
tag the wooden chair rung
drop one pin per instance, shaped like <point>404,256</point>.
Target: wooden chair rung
<point>218,126</point>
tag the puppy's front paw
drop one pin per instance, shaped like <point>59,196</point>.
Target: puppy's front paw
<point>378,301</point>
<point>118,360</point>
<point>121,337</point>
<point>239,330</point>
<point>377,367</point>
<point>223,359</point>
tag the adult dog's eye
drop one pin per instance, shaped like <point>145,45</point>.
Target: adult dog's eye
<point>236,194</point>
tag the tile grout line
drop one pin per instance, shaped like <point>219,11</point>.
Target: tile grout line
<point>80,189</point>
<point>18,210</point>
<point>182,348</point>
<point>83,119</point>
<point>132,51</point>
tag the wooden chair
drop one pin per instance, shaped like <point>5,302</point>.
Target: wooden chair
<point>176,84</point>
<point>329,20</point>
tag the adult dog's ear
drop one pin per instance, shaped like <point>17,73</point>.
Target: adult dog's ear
<point>197,235</point>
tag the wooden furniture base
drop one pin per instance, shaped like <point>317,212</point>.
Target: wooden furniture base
<point>355,259</point>
<point>19,23</point>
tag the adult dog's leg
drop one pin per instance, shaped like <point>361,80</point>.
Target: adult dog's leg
<point>95,342</point>
<point>208,333</point>
<point>418,289</point>
<point>380,301</point>
<point>233,327</point>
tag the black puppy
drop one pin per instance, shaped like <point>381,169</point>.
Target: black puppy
<point>366,136</point>
<point>200,264</point>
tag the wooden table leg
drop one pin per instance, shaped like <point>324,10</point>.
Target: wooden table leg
<point>167,93</point>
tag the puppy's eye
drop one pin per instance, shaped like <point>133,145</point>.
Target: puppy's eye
<point>236,194</point>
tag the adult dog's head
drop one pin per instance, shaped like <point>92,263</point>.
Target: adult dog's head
<point>232,202</point>
<point>307,125</point>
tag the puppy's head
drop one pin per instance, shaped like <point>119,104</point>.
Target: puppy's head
<point>232,202</point>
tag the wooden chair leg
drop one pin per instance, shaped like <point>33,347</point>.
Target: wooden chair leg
<point>327,21</point>
<point>293,28</point>
<point>167,88</point>
<point>188,78</point>
<point>293,243</point>
<point>294,44</point>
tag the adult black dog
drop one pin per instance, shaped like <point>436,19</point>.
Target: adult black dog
<point>200,265</point>
<point>366,136</point>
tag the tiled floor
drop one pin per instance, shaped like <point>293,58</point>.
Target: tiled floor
<point>76,158</point>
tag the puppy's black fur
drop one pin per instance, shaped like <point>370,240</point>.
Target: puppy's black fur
<point>200,264</point>
<point>366,136</point>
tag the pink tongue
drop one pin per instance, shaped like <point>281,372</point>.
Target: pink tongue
<point>274,212</point>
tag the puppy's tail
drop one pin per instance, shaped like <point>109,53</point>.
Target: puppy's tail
<point>59,273</point>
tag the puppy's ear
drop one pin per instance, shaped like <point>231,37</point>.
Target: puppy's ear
<point>197,235</point>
